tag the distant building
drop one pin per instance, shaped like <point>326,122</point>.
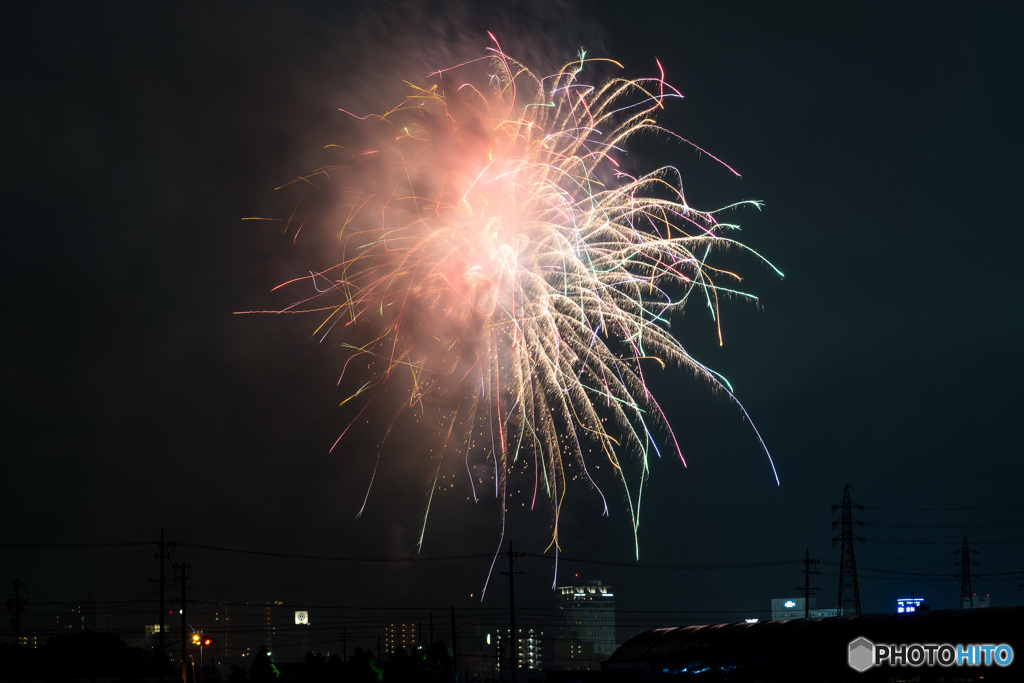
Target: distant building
<point>399,638</point>
<point>240,630</point>
<point>530,649</point>
<point>71,619</point>
<point>587,633</point>
<point>975,601</point>
<point>147,640</point>
<point>223,616</point>
<point>29,641</point>
<point>784,609</point>
<point>270,622</point>
<point>83,616</point>
<point>476,652</point>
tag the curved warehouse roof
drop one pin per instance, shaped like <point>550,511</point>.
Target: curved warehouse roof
<point>810,649</point>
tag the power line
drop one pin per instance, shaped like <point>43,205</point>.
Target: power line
<point>1017,541</point>
<point>411,558</point>
<point>649,565</point>
<point>72,546</point>
<point>958,525</point>
<point>1002,506</point>
<point>339,558</point>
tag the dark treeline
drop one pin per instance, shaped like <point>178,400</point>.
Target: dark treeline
<point>89,655</point>
<point>83,655</point>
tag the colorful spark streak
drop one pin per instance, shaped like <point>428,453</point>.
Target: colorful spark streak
<point>503,271</point>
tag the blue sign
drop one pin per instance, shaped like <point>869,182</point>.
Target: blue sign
<point>905,605</point>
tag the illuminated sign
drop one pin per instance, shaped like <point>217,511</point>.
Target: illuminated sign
<point>905,605</point>
<point>302,617</point>
<point>789,604</point>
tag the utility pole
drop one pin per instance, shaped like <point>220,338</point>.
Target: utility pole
<point>848,602</point>
<point>966,592</point>
<point>162,557</point>
<point>807,582</point>
<point>16,605</point>
<point>513,648</point>
<point>183,568</point>
<point>455,651</point>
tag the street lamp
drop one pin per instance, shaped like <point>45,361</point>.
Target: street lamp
<point>201,641</point>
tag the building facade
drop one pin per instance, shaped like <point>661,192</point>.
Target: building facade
<point>529,651</point>
<point>587,634</point>
<point>784,609</point>
<point>400,638</point>
<point>976,601</point>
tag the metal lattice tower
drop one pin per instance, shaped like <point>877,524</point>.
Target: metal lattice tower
<point>848,602</point>
<point>966,593</point>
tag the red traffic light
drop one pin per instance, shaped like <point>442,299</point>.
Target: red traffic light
<point>207,641</point>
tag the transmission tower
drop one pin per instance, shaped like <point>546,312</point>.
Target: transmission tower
<point>849,593</point>
<point>966,593</point>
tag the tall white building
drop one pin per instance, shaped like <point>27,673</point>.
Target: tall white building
<point>588,625</point>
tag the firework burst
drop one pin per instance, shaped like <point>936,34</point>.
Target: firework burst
<point>500,266</point>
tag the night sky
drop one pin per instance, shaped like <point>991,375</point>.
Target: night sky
<point>883,138</point>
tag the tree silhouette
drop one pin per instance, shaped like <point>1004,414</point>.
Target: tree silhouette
<point>263,669</point>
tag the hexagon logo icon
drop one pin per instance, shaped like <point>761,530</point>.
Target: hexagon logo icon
<point>862,654</point>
